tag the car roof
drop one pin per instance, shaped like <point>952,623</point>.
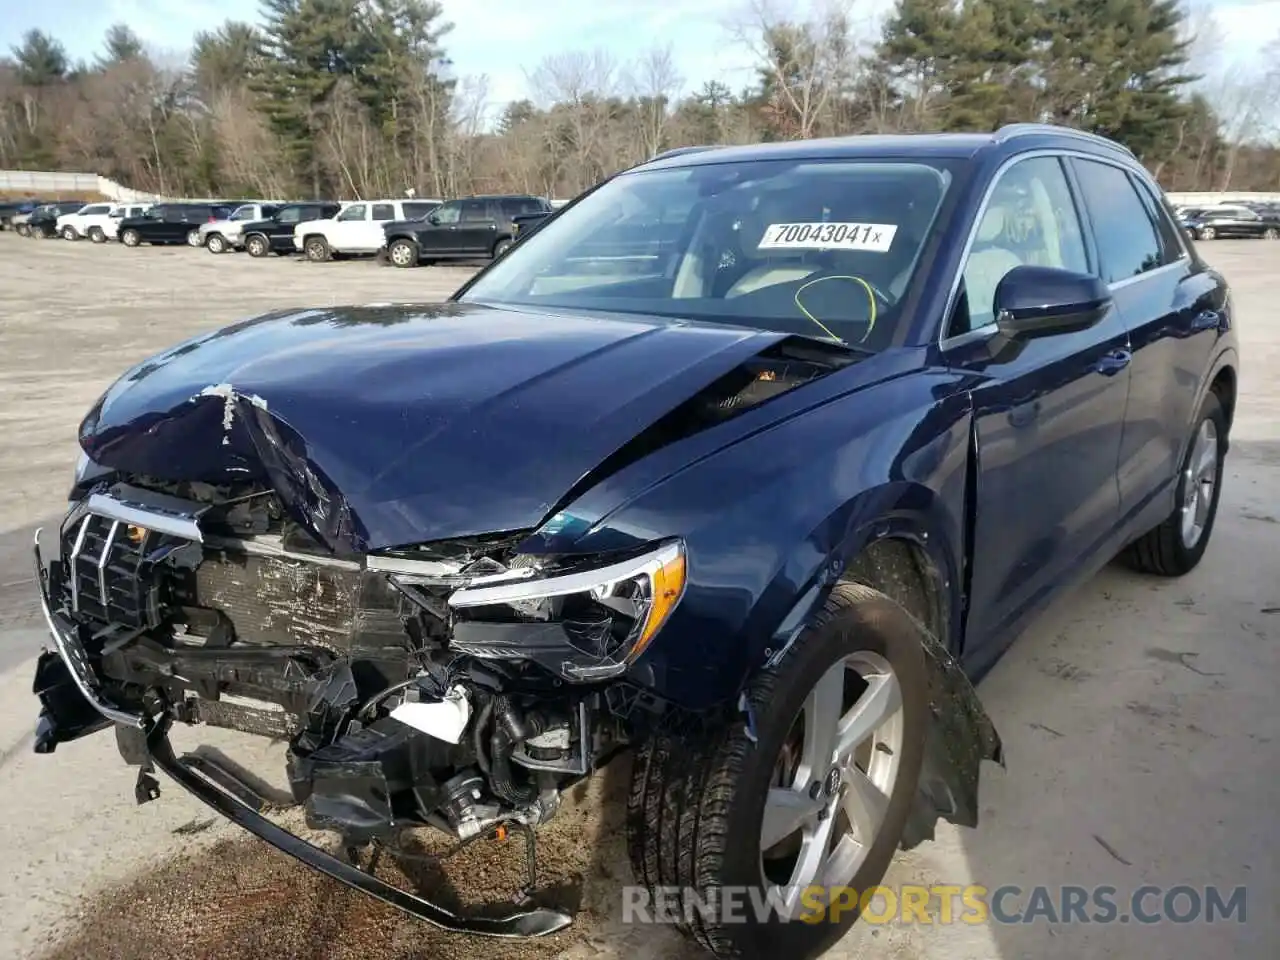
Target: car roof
<point>1010,139</point>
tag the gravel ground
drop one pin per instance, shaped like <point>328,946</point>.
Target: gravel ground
<point>1138,715</point>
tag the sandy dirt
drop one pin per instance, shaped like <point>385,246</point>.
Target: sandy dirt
<point>1138,715</point>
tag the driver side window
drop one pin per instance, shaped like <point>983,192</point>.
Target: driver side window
<point>353,212</point>
<point>448,213</point>
<point>1030,219</point>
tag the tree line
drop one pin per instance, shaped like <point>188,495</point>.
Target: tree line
<point>358,98</point>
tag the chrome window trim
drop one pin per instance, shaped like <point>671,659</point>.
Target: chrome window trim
<point>945,342</point>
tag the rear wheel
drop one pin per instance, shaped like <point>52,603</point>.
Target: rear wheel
<point>97,235</point>
<point>130,237</point>
<point>257,245</point>
<point>1271,233</point>
<point>1206,233</point>
<point>216,243</point>
<point>501,247</point>
<point>1176,546</point>
<point>69,233</point>
<point>818,797</point>
<point>403,253</point>
<point>317,249</point>
<point>193,238</point>
<point>23,230</point>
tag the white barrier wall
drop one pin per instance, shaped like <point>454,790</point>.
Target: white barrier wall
<point>48,184</point>
<point>1209,199</point>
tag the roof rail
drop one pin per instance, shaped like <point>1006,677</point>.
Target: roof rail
<point>1011,130</point>
<point>681,151</point>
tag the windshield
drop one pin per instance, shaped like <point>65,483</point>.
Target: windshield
<point>824,248</point>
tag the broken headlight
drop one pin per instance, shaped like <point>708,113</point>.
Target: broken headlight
<point>583,621</point>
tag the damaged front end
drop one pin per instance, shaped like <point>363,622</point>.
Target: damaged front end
<point>460,687</point>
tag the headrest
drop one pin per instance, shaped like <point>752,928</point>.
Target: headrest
<point>992,224</point>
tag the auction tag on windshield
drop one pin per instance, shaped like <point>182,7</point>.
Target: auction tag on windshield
<point>877,237</point>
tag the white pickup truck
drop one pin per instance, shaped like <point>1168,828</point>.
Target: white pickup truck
<point>99,222</point>
<point>357,228</point>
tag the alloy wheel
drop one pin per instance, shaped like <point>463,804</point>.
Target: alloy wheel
<point>1199,481</point>
<point>193,238</point>
<point>402,254</point>
<point>256,246</point>
<point>834,779</point>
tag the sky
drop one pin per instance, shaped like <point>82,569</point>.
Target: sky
<point>506,39</point>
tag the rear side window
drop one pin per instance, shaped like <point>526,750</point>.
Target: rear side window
<point>420,209</point>
<point>384,211</point>
<point>1127,241</point>
<point>1171,250</point>
<point>474,210</point>
<point>290,215</point>
<point>95,210</point>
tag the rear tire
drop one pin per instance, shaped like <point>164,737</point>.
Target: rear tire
<point>1176,546</point>
<point>698,802</point>
<point>69,233</point>
<point>216,243</point>
<point>403,253</point>
<point>257,245</point>
<point>97,235</point>
<point>23,230</point>
<point>1271,233</point>
<point>1206,233</point>
<point>130,238</point>
<point>193,238</point>
<point>317,249</point>
<point>501,247</point>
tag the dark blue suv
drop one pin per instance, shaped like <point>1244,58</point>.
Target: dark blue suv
<point>744,463</point>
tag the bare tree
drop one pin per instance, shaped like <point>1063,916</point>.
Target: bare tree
<point>654,83</point>
<point>807,61</point>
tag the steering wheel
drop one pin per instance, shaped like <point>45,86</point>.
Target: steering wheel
<point>877,300</point>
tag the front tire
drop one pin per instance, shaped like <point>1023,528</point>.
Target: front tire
<point>317,249</point>
<point>1271,233</point>
<point>1176,546</point>
<point>130,238</point>
<point>1206,233</point>
<point>257,245</point>
<point>69,233</point>
<point>97,235</point>
<point>23,230</point>
<point>501,247</point>
<point>821,796</point>
<point>403,253</point>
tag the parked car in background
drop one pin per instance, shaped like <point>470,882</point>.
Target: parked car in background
<point>274,234</point>
<point>522,223</point>
<point>43,222</point>
<point>170,223</point>
<point>1221,222</point>
<point>119,213</point>
<point>75,226</point>
<point>356,229</point>
<point>460,229</point>
<point>11,209</point>
<point>219,236</point>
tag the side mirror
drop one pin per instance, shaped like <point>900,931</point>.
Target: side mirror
<point>1035,302</point>
<point>433,219</point>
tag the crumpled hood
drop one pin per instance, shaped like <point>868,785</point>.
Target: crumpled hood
<point>390,425</point>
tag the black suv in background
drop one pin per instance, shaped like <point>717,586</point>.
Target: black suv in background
<point>459,229</point>
<point>171,223</point>
<point>43,221</point>
<point>275,234</point>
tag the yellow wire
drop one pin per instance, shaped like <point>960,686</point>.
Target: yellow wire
<point>871,298</point>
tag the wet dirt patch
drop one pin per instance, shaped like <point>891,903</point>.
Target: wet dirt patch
<point>238,898</point>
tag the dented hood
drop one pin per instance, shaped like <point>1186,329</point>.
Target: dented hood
<point>390,425</point>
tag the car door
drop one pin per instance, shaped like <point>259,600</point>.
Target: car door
<point>1048,413</point>
<point>348,227</point>
<point>374,237</point>
<point>279,229</point>
<point>439,234</point>
<point>477,227</point>
<point>1172,310</point>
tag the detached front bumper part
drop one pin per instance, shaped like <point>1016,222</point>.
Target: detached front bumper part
<point>534,922</point>
<point>73,705</point>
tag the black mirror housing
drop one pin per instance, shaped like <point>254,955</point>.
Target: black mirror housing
<point>1032,301</point>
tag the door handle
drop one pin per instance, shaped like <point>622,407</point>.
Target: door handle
<point>1113,362</point>
<point>1207,320</point>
